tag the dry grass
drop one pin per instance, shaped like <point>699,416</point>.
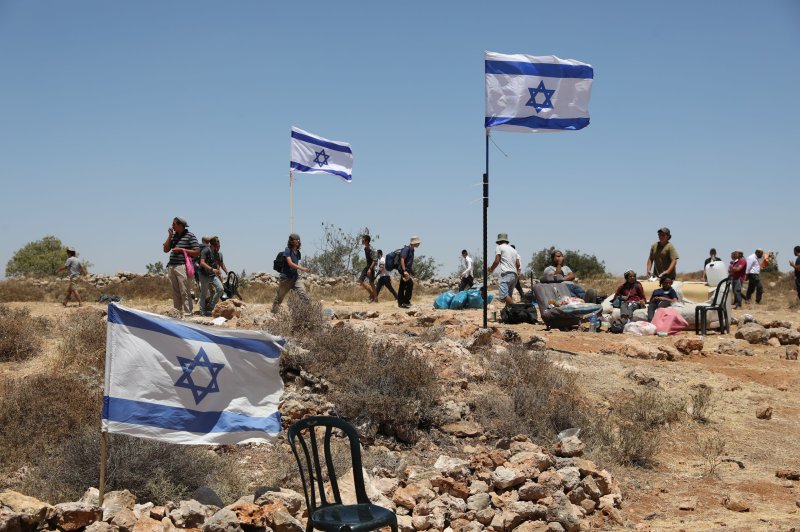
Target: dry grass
<point>710,448</point>
<point>82,343</point>
<point>21,336</point>
<point>25,290</point>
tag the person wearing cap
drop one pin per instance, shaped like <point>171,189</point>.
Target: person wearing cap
<point>367,277</point>
<point>736,271</point>
<point>290,276</point>
<point>507,259</point>
<point>179,241</point>
<point>406,270</point>
<point>630,295</point>
<point>663,258</point>
<point>76,271</point>
<point>753,270</point>
<point>210,272</point>
<point>796,267</point>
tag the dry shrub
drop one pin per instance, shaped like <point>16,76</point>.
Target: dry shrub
<point>298,317</point>
<point>38,411</point>
<point>153,471</point>
<point>387,386</point>
<point>710,448</point>
<point>432,334</point>
<point>144,287</point>
<point>702,403</point>
<point>533,396</point>
<point>652,409</point>
<point>20,334</point>
<point>83,343</point>
<point>25,291</point>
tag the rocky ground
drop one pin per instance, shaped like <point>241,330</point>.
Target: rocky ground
<point>754,382</point>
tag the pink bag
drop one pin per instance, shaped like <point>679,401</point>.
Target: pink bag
<point>189,264</point>
<point>669,320</point>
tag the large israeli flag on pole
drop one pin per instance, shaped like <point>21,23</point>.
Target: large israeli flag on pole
<point>183,383</point>
<point>314,154</point>
<point>536,93</point>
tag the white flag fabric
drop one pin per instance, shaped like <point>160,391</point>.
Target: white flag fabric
<point>536,93</point>
<point>183,383</point>
<point>314,154</point>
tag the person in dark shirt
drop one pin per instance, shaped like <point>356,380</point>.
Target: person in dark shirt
<point>662,297</point>
<point>211,266</point>
<point>796,267</point>
<point>179,243</point>
<point>406,270</point>
<point>630,295</point>
<point>712,257</point>
<point>367,277</point>
<point>290,278</point>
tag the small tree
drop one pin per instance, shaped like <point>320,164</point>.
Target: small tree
<point>40,258</point>
<point>156,268</point>
<point>477,265</point>
<point>582,264</point>
<point>338,253</point>
<point>425,267</point>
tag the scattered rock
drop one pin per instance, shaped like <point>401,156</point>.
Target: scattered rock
<point>753,333</point>
<point>688,505</point>
<point>463,429</point>
<point>206,495</point>
<point>223,521</point>
<point>734,347</point>
<point>569,447</point>
<point>788,474</point>
<point>71,516</point>
<point>777,324</point>
<point>735,505</point>
<point>687,345</point>
<point>791,352</point>
<point>641,378</point>
<point>228,309</point>
<point>764,412</point>
<point>32,512</point>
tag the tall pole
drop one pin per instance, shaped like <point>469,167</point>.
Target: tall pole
<point>291,202</point>
<point>102,487</point>
<point>485,235</point>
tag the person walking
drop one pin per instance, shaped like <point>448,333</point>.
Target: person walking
<point>796,267</point>
<point>367,277</point>
<point>507,259</point>
<point>211,266</point>
<point>384,277</point>
<point>406,270</point>
<point>737,273</point>
<point>290,276</point>
<point>663,258</point>
<point>753,269</point>
<point>180,243</point>
<point>467,280</point>
<point>76,271</point>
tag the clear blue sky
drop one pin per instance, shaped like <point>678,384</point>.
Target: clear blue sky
<point>117,116</point>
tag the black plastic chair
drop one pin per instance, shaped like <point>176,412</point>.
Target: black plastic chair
<point>718,305</point>
<point>333,515</point>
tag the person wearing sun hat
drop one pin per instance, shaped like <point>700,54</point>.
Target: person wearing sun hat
<point>76,270</point>
<point>406,270</point>
<point>507,259</point>
<point>663,258</point>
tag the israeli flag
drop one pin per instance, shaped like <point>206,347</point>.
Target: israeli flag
<point>536,94</point>
<point>184,383</point>
<point>314,155</point>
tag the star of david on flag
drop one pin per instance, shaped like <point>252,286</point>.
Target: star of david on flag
<point>314,155</point>
<point>536,93</point>
<point>185,383</point>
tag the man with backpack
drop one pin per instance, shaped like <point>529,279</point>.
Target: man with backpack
<point>211,264</point>
<point>384,277</point>
<point>290,277</point>
<point>406,269</point>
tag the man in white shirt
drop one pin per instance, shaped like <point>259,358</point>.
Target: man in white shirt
<point>507,259</point>
<point>466,275</point>
<point>754,276</point>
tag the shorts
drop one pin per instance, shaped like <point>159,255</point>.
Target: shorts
<point>74,282</point>
<point>366,274</point>
<point>508,281</point>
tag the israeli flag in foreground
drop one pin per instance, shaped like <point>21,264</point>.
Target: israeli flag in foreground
<point>314,155</point>
<point>184,383</point>
<point>536,93</point>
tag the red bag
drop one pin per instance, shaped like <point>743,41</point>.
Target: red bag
<point>669,320</point>
<point>189,264</point>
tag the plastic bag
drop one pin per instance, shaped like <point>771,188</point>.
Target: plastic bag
<point>459,301</point>
<point>639,328</point>
<point>443,301</point>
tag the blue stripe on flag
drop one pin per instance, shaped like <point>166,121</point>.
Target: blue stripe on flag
<point>184,419</point>
<point>303,168</point>
<point>128,318</point>
<point>534,122</point>
<point>320,142</point>
<point>545,70</point>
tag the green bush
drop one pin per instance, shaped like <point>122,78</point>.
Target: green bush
<point>582,264</point>
<point>40,258</point>
<point>339,252</point>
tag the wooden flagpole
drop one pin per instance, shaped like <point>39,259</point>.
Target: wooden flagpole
<point>102,487</point>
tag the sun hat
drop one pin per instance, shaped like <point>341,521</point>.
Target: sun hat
<point>502,237</point>
<point>665,230</point>
<point>415,240</point>
<point>71,249</point>
<point>181,220</point>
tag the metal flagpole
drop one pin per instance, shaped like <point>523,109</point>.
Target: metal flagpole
<point>291,202</point>
<point>102,487</point>
<point>485,235</point>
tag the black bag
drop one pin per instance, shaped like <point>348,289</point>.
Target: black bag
<point>231,286</point>
<point>617,327</point>
<point>393,260</point>
<point>519,313</point>
<point>280,260</point>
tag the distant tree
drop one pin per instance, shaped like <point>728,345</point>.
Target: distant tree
<point>582,264</point>
<point>40,258</point>
<point>425,267</point>
<point>477,265</point>
<point>156,268</point>
<point>338,253</point>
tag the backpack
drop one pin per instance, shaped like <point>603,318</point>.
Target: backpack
<point>231,286</point>
<point>280,261</point>
<point>393,260</point>
<point>519,313</point>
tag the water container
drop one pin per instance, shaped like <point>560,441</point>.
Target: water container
<point>715,272</point>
